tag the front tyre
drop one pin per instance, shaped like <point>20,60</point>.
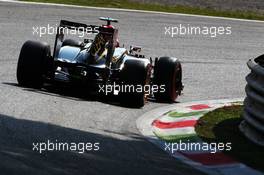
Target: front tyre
<point>135,75</point>
<point>168,75</point>
<point>33,63</point>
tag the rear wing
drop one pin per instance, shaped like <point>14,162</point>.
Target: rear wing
<point>89,29</point>
<point>69,25</point>
<point>78,26</point>
<point>82,27</point>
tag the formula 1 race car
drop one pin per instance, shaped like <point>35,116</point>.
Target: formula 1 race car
<point>99,65</point>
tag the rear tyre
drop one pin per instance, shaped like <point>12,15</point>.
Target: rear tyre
<point>168,74</point>
<point>134,76</point>
<point>33,63</point>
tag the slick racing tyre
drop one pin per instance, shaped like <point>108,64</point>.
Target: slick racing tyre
<point>33,63</point>
<point>167,74</point>
<point>134,75</point>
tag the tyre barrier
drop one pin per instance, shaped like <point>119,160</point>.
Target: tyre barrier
<point>253,124</point>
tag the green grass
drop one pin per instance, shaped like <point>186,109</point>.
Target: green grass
<point>177,138</point>
<point>126,4</point>
<point>221,126</point>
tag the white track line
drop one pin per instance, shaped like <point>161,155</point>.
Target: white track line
<point>131,10</point>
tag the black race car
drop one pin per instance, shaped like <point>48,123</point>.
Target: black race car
<point>100,65</point>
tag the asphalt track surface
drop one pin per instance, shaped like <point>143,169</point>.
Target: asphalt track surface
<point>213,68</point>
